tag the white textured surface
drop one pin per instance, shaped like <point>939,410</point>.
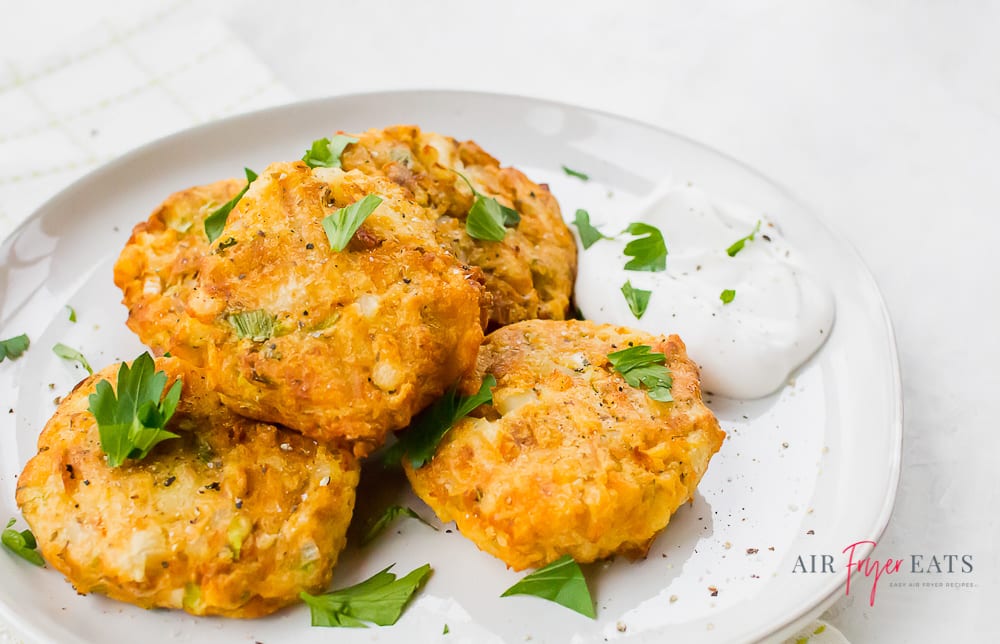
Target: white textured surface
<point>884,117</point>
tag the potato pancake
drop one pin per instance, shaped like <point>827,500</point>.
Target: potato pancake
<point>233,518</point>
<point>569,458</point>
<point>530,273</point>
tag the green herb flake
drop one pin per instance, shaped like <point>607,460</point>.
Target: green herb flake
<point>13,347</point>
<point>72,313</point>
<point>727,295</point>
<point>379,599</point>
<point>325,153</point>
<point>391,513</point>
<point>21,543</point>
<point>420,440</point>
<point>576,173</point>
<point>258,325</point>
<point>641,367</point>
<point>637,298</point>
<point>69,353</point>
<point>588,234</point>
<point>131,422</point>
<point>342,224</point>
<point>562,582</point>
<point>648,251</point>
<point>488,219</point>
<point>446,630</point>
<point>215,222</point>
<point>741,242</point>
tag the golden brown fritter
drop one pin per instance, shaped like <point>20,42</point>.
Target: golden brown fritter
<point>233,518</point>
<point>569,458</point>
<point>530,273</point>
<point>363,338</point>
<point>157,268</point>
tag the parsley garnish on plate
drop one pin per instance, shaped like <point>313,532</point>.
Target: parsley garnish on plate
<point>738,245</point>
<point>325,153</point>
<point>21,543</point>
<point>380,599</point>
<point>215,222</point>
<point>378,526</point>
<point>258,325</point>
<point>69,353</point>
<point>13,347</point>
<point>588,234</point>
<point>641,367</point>
<point>343,223</point>
<point>131,417</point>
<point>576,173</point>
<point>420,440</point>
<point>562,582</point>
<point>637,298</point>
<point>727,295</point>
<point>488,219</point>
<point>648,251</point>
<point>72,313</point>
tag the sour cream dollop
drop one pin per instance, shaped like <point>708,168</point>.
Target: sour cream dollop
<point>780,314</point>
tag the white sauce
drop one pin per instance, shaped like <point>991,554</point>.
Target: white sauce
<point>747,348</point>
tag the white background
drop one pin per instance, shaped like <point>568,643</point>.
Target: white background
<point>885,117</point>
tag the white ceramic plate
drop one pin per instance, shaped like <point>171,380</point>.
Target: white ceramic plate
<point>808,470</point>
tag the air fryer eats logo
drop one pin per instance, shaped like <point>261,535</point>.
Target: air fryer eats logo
<point>929,567</point>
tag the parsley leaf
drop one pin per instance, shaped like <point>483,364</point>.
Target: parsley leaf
<point>420,441</point>
<point>131,423</point>
<point>69,353</point>
<point>342,224</point>
<point>258,325</point>
<point>378,526</point>
<point>215,222</point>
<point>379,599</point>
<point>637,298</point>
<point>641,367</point>
<point>488,218</point>
<point>21,543</point>
<point>562,582</point>
<point>727,295</point>
<point>325,153</point>
<point>741,242</point>
<point>588,234</point>
<point>649,251</point>
<point>576,173</point>
<point>72,313</point>
<point>13,347</point>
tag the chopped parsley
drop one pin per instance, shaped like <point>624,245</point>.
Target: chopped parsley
<point>738,245</point>
<point>342,224</point>
<point>637,298</point>
<point>215,222</point>
<point>13,347</point>
<point>21,543</point>
<point>642,368</point>
<point>69,353</point>
<point>325,153</point>
<point>648,251</point>
<point>420,440</point>
<point>131,422</point>
<point>727,295</point>
<point>576,173</point>
<point>588,234</point>
<point>391,513</point>
<point>258,325</point>
<point>380,599</point>
<point>562,582</point>
<point>488,219</point>
<point>72,313</point>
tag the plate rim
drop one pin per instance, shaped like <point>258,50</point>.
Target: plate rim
<point>896,413</point>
